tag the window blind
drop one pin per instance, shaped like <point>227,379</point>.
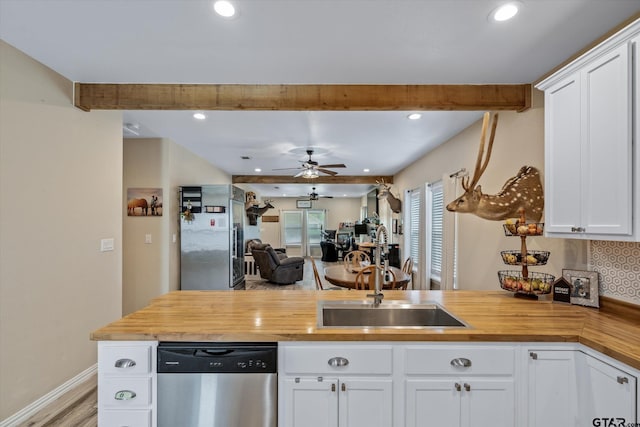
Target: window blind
<point>414,226</point>
<point>437,212</point>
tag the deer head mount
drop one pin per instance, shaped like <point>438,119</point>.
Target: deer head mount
<point>523,191</point>
<point>384,192</point>
<point>255,211</point>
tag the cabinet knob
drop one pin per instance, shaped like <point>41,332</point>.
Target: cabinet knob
<point>125,363</point>
<point>533,355</point>
<point>457,386</point>
<point>338,361</point>
<point>461,362</point>
<point>125,395</point>
<point>343,387</point>
<point>467,387</point>
<point>623,380</point>
<point>333,387</point>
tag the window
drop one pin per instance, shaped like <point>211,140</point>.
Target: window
<point>414,226</point>
<point>292,228</point>
<point>436,233</point>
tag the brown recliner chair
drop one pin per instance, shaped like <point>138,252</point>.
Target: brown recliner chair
<point>277,267</point>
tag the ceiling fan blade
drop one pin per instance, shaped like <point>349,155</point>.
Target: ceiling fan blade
<point>327,171</point>
<point>339,165</point>
<point>285,169</point>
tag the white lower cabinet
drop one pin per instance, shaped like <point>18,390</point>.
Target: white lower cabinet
<point>572,388</point>
<point>606,392</point>
<point>329,402</point>
<point>552,388</point>
<point>335,385</point>
<point>471,385</point>
<point>126,383</point>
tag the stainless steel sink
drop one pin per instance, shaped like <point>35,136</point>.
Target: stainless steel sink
<point>389,314</point>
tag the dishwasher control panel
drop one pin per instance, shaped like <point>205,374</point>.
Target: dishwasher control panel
<point>174,357</point>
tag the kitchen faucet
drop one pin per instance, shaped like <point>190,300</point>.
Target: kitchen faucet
<point>377,295</point>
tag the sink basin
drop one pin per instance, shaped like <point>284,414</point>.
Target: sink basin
<point>389,314</point>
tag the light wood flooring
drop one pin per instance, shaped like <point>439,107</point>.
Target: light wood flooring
<point>78,407</point>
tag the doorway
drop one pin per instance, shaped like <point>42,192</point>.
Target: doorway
<point>302,231</point>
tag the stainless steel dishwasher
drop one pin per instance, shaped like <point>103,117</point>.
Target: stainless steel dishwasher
<point>217,384</point>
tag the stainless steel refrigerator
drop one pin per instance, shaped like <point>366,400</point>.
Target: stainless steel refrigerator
<point>212,240</point>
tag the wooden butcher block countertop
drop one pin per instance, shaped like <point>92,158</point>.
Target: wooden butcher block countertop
<point>291,316</point>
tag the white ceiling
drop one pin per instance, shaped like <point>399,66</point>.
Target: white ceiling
<point>305,41</point>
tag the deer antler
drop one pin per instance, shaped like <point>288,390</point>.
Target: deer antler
<point>480,164</point>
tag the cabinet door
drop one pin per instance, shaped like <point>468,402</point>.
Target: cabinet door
<point>606,144</point>
<point>310,402</point>
<point>365,402</point>
<point>552,385</point>
<point>488,402</point>
<point>432,403</point>
<point>607,392</point>
<point>562,156</point>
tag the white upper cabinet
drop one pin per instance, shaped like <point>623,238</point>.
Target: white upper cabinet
<point>591,191</point>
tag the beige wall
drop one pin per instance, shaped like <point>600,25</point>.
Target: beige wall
<point>60,194</point>
<point>150,270</point>
<point>519,141</point>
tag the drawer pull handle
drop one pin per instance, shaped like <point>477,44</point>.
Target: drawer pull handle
<point>577,229</point>
<point>125,395</point>
<point>125,363</point>
<point>461,362</point>
<point>467,387</point>
<point>533,355</point>
<point>343,387</point>
<point>623,380</point>
<point>333,387</point>
<point>457,386</point>
<point>338,361</point>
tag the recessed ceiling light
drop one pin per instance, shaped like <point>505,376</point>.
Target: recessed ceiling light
<point>224,8</point>
<point>257,170</point>
<point>414,116</point>
<point>365,170</point>
<point>505,12</point>
<point>199,116</point>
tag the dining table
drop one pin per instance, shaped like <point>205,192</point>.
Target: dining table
<point>339,275</point>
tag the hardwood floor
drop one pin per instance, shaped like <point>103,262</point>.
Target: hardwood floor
<point>78,407</point>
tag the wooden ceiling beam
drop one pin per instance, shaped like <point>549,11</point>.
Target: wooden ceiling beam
<point>288,179</point>
<point>126,96</point>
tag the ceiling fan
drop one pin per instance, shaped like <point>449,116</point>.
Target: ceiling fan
<point>315,196</point>
<point>311,169</point>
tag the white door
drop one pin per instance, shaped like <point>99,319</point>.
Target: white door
<point>432,402</point>
<point>365,402</point>
<point>552,397</point>
<point>302,231</point>
<point>310,402</point>
<point>488,402</point>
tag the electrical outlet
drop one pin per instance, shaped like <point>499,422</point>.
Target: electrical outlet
<point>147,238</point>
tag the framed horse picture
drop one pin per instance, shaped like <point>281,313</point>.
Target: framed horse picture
<point>144,201</point>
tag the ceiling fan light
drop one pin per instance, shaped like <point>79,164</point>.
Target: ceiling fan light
<point>310,174</point>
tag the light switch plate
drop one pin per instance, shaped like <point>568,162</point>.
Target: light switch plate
<point>106,245</point>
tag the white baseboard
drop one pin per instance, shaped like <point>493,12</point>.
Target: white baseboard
<point>33,408</point>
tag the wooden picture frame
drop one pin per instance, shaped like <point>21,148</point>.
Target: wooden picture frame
<point>584,287</point>
<point>303,204</point>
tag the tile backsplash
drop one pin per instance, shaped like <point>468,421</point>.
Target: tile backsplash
<point>618,265</point>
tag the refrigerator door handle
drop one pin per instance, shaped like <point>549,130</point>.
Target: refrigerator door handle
<point>235,242</point>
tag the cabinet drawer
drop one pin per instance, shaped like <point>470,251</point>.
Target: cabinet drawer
<point>353,360</point>
<point>453,360</point>
<point>124,359</point>
<point>125,392</point>
<point>127,418</point>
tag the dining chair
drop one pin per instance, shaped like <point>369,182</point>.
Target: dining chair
<point>407,268</point>
<point>366,277</point>
<point>318,280</point>
<point>353,259</point>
